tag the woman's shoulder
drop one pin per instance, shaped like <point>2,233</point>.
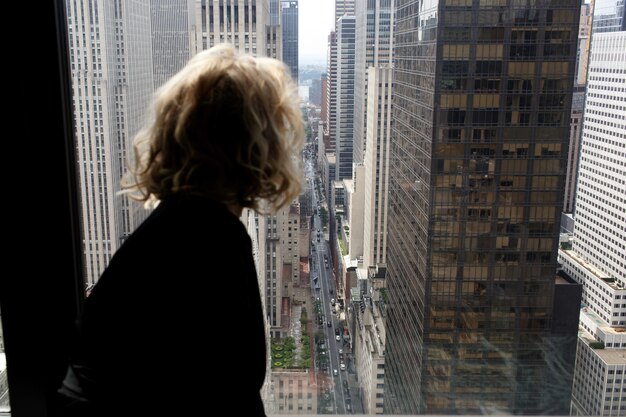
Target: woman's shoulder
<point>190,217</point>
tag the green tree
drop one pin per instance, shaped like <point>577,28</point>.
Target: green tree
<point>324,216</point>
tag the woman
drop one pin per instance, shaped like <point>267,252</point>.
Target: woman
<point>175,323</point>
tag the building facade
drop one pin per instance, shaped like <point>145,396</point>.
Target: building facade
<point>331,91</point>
<point>243,23</point>
<point>344,132</point>
<point>289,25</point>
<point>369,340</point>
<point>377,150</point>
<point>573,153</point>
<point>173,37</point>
<point>596,257</point>
<point>111,65</point>
<point>481,105</point>
<point>374,34</point>
<point>295,392</point>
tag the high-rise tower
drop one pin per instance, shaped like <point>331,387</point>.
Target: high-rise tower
<point>482,97</point>
<point>289,25</point>
<point>111,64</point>
<point>345,96</point>
<point>595,258</point>
<point>374,34</point>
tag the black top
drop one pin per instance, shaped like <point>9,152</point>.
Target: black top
<point>175,323</point>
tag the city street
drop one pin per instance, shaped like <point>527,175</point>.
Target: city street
<point>325,283</point>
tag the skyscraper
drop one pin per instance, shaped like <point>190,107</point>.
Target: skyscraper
<point>378,140</point>
<point>343,7</point>
<point>243,23</point>
<point>289,25</point>
<point>344,132</point>
<point>596,257</point>
<point>331,91</point>
<point>374,34</point>
<point>609,16</point>
<point>111,66</point>
<point>482,96</point>
<point>173,38</point>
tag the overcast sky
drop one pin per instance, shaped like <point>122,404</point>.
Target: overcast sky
<point>315,23</point>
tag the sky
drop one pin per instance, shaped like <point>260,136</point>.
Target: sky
<point>316,21</point>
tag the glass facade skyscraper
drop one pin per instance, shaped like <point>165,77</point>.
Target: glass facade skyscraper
<point>344,134</point>
<point>609,16</point>
<point>289,24</point>
<point>482,97</point>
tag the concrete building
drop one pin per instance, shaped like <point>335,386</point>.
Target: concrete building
<point>584,38</point>
<point>344,7</point>
<point>330,168</point>
<point>344,133</point>
<point>377,150</point>
<point>369,313</point>
<point>324,98</point>
<point>573,153</point>
<point>279,252</point>
<point>289,226</point>
<point>480,128</point>
<point>111,65</point>
<point>355,195</point>
<point>600,379</point>
<point>173,37</point>
<point>295,392</point>
<point>289,25</point>
<point>374,34</point>
<point>596,258</point>
<point>244,24</point>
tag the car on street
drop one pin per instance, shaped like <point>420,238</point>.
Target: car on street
<point>342,366</point>
<point>340,351</point>
<point>328,324</point>
<point>335,372</point>
<point>337,337</point>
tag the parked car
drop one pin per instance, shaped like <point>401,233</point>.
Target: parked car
<point>329,324</point>
<point>342,366</point>
<point>337,337</point>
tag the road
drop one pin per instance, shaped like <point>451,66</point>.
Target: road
<point>326,281</point>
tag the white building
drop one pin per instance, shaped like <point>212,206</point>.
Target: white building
<point>173,37</point>
<point>355,198</point>
<point>597,258</point>
<point>374,34</point>
<point>243,23</point>
<point>600,379</point>
<point>111,67</point>
<point>377,165</point>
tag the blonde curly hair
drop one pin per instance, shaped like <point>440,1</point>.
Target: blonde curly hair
<point>227,127</point>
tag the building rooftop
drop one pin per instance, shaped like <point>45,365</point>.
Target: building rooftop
<point>608,356</point>
<point>612,282</point>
